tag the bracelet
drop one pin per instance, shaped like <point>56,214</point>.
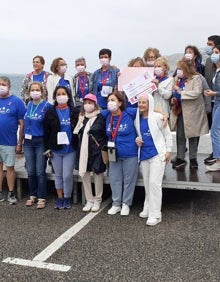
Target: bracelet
<point>19,144</point>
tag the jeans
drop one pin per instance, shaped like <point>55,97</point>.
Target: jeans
<point>63,165</point>
<point>122,177</point>
<point>36,166</point>
<point>215,130</point>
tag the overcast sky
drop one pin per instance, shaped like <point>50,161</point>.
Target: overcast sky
<point>72,28</point>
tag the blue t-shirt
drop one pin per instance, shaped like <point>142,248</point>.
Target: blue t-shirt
<point>34,116</point>
<point>83,86</point>
<point>148,149</point>
<point>12,109</point>
<point>125,138</point>
<point>64,117</point>
<point>39,77</point>
<point>65,83</point>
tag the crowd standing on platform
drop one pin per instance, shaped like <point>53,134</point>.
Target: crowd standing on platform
<point>70,118</point>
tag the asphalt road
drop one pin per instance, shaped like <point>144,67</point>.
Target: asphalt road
<point>185,246</point>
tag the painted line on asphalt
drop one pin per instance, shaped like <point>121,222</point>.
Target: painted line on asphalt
<point>39,260</point>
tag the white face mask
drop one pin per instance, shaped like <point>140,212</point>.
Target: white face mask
<point>158,71</point>
<point>62,69</point>
<point>188,56</point>
<point>112,106</point>
<point>35,95</point>
<point>89,108</point>
<point>179,73</point>
<point>80,68</point>
<point>150,63</point>
<point>104,61</point>
<point>62,100</point>
<point>3,90</point>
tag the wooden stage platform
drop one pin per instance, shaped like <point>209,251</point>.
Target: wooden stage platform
<point>182,178</point>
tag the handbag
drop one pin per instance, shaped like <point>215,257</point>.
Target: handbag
<point>104,150</point>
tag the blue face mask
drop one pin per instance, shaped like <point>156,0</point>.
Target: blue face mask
<point>208,50</point>
<point>215,58</point>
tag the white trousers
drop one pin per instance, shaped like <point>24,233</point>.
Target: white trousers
<point>153,171</point>
<point>87,185</point>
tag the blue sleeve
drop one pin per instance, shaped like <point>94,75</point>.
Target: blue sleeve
<point>104,113</point>
<point>131,112</point>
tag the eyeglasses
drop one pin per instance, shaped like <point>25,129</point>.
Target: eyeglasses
<point>61,65</point>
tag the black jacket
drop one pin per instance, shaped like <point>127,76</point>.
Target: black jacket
<point>97,130</point>
<point>52,127</point>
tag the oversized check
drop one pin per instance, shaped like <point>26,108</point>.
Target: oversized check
<point>139,85</point>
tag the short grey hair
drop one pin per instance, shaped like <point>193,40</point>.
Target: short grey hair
<point>5,78</point>
<point>80,59</point>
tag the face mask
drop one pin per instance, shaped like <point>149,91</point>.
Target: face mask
<point>89,108</point>
<point>150,63</point>
<point>62,69</point>
<point>158,71</point>
<point>215,58</point>
<point>208,50</point>
<point>3,90</point>
<point>179,73</point>
<point>112,106</point>
<point>35,95</point>
<point>80,68</point>
<point>188,56</point>
<point>62,100</point>
<point>104,61</point>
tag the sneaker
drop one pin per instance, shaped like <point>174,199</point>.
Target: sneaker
<point>153,221</point>
<point>1,197</point>
<point>213,167</point>
<point>125,209</point>
<point>59,204</point>
<point>113,210</point>
<point>193,163</point>
<point>210,160</point>
<point>144,213</point>
<point>87,207</point>
<point>179,163</point>
<point>66,203</point>
<point>95,207</point>
<point>12,199</point>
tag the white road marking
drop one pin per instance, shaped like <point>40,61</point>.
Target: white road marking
<point>39,260</point>
<point>38,264</point>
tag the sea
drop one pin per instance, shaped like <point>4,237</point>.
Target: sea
<point>16,82</point>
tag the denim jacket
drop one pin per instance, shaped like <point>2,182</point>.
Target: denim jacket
<point>216,85</point>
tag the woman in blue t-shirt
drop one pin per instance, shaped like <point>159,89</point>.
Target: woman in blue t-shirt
<point>123,162</point>
<point>34,145</point>
<point>155,145</point>
<point>61,144</point>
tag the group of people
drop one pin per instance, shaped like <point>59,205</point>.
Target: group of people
<point>71,120</point>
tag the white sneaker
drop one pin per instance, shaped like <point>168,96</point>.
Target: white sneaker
<point>113,210</point>
<point>153,221</point>
<point>144,213</point>
<point>95,207</point>
<point>125,209</point>
<point>12,199</point>
<point>213,167</point>
<point>88,207</point>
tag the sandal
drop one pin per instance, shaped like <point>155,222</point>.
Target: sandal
<point>41,204</point>
<point>31,202</point>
